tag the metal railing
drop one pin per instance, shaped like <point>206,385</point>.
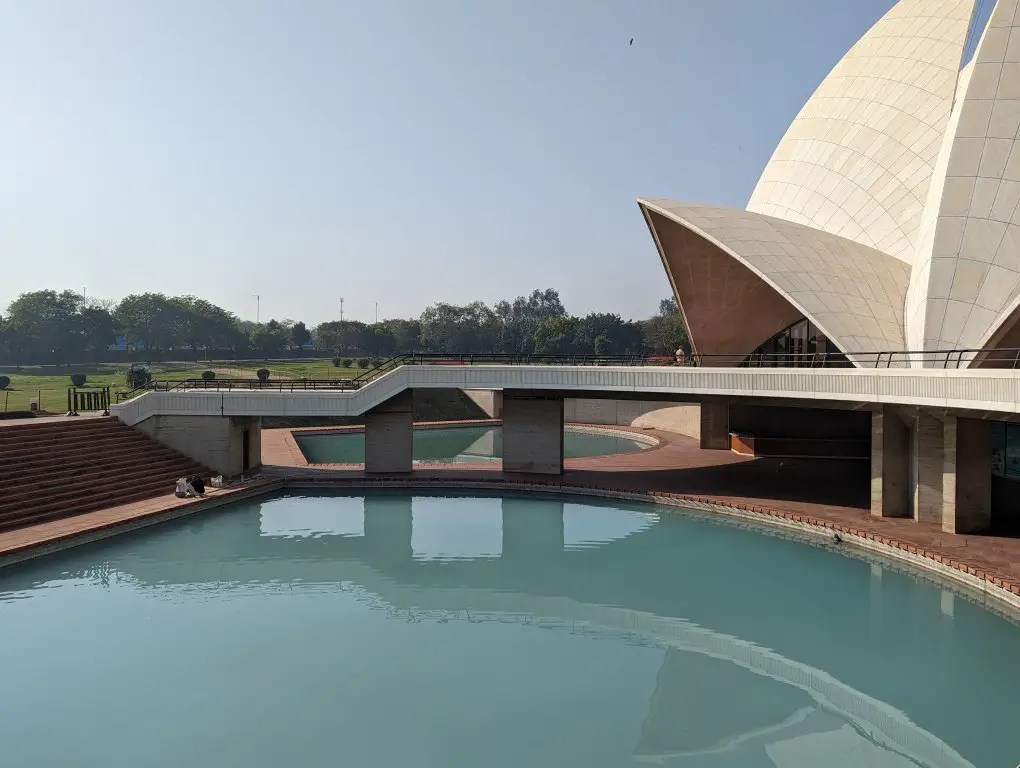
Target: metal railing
<point>948,359</point>
<point>88,400</point>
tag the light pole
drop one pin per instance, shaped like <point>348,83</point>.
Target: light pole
<point>258,307</point>
<point>377,313</point>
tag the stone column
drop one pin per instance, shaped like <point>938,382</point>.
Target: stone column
<point>389,436</point>
<point>928,457</point>
<point>715,426</point>
<point>890,464</point>
<point>532,434</point>
<point>966,476</point>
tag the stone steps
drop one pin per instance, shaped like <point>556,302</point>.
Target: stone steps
<point>61,468</point>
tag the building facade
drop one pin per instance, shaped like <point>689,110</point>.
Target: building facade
<point>885,229</point>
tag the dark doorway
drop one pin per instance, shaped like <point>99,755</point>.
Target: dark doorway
<point>245,450</point>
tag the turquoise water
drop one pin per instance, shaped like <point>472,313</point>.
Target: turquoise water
<point>395,631</point>
<point>459,444</point>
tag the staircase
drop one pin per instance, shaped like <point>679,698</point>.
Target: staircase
<point>55,469</point>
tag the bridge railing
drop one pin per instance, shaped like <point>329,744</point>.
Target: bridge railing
<point>947,359</point>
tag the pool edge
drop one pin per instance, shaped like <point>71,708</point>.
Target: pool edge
<point>930,562</point>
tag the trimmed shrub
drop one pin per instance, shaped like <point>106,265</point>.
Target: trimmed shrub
<point>208,375</point>
<point>336,362</point>
<point>347,363</point>
<point>263,374</point>
<point>5,381</point>
<point>17,414</point>
<point>363,362</point>
<point>78,379</point>
<point>137,377</point>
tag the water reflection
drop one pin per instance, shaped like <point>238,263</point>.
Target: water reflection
<point>718,646</point>
<point>462,444</point>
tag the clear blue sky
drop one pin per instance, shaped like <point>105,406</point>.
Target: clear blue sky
<point>399,151</point>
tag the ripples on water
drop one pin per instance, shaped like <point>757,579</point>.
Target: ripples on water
<point>520,631</point>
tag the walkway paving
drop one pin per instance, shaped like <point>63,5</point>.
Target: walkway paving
<point>833,494</point>
<point>54,532</point>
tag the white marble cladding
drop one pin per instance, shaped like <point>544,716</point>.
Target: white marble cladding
<point>853,293</point>
<point>992,390</point>
<point>858,159</point>
<point>966,278</point>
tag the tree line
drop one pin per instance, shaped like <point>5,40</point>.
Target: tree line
<point>47,327</point>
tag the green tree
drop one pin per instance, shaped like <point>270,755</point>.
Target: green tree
<point>200,324</point>
<point>268,339</point>
<point>557,336</point>
<point>149,320</point>
<point>343,336</point>
<point>665,333</point>
<point>520,319</point>
<point>380,341</point>
<point>299,335</point>
<point>98,328</point>
<point>46,324</point>
<point>608,334</point>
<point>406,334</point>
<point>459,329</point>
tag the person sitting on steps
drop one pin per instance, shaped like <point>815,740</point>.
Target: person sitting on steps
<point>188,487</point>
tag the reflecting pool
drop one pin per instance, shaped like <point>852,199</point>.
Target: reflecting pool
<point>456,445</point>
<point>391,630</point>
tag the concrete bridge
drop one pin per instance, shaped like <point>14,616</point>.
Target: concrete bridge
<point>928,429</point>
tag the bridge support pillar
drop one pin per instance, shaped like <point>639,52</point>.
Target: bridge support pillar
<point>966,475</point>
<point>890,464</point>
<point>928,454</point>
<point>532,433</point>
<point>715,426</point>
<point>228,445</point>
<point>389,436</point>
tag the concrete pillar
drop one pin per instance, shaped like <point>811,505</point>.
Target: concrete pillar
<point>389,524</point>
<point>489,400</point>
<point>389,436</point>
<point>890,464</point>
<point>929,440</point>
<point>715,426</point>
<point>966,476</point>
<point>216,442</point>
<point>533,434</point>
<point>532,529</point>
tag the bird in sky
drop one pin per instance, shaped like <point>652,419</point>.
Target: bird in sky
<point>631,41</point>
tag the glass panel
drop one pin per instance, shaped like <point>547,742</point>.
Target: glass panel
<point>795,347</point>
<point>1013,450</point>
<point>998,430</point>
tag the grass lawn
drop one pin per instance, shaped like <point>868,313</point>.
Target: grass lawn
<point>304,369</point>
<point>49,383</point>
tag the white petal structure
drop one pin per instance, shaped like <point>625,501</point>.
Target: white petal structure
<point>858,159</point>
<point>966,276</point>
<point>741,277</point>
<point>888,216</point>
